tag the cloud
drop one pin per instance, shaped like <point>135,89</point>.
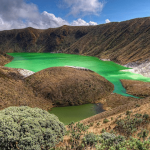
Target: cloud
<point>16,14</point>
<point>81,22</point>
<point>107,21</point>
<point>49,18</point>
<point>17,9</point>
<point>84,7</point>
<point>7,25</point>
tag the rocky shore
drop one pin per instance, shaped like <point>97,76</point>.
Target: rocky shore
<point>139,68</point>
<point>25,73</point>
<point>79,68</point>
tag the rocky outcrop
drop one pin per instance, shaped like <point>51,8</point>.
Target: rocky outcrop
<point>14,73</point>
<point>79,68</point>
<point>142,68</point>
<point>25,73</point>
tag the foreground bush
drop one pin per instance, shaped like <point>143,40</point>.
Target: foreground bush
<point>29,129</point>
<point>130,144</point>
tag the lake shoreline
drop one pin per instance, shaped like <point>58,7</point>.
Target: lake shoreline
<point>99,108</point>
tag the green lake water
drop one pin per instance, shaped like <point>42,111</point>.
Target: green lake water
<point>110,70</point>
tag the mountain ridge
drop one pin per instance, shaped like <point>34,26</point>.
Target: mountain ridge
<point>121,42</point>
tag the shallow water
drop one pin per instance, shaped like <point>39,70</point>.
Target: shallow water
<point>110,70</point>
<point>73,113</point>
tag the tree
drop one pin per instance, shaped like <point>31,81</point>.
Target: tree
<point>29,128</point>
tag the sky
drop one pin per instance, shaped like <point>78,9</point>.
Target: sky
<point>43,14</point>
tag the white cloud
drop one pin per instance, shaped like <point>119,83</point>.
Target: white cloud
<point>92,23</point>
<point>49,18</point>
<point>84,7</point>
<point>81,22</point>
<point>16,14</point>
<point>107,21</point>
<point>7,25</point>
<point>17,9</point>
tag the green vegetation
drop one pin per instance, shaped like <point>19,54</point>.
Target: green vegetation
<point>131,124</point>
<point>76,132</point>
<point>33,128</point>
<point>105,120</point>
<point>29,128</point>
<point>113,142</point>
<point>81,139</point>
<point>91,139</point>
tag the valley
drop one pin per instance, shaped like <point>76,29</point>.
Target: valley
<point>39,61</point>
<point>44,56</point>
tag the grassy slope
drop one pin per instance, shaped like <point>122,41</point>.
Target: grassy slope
<point>58,86</point>
<point>137,88</point>
<point>4,58</point>
<point>67,86</point>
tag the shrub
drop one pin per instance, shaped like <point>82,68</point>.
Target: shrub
<point>76,130</point>
<point>98,123</point>
<point>29,128</point>
<point>111,139</point>
<point>107,136</point>
<point>130,124</point>
<point>91,124</point>
<point>105,120</point>
<point>137,105</point>
<point>91,139</point>
<point>138,115</point>
<point>103,130</point>
<point>143,134</point>
<point>146,116</point>
<point>128,112</point>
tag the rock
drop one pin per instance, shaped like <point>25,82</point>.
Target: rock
<point>139,68</point>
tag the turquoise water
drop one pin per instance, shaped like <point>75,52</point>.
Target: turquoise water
<point>110,70</point>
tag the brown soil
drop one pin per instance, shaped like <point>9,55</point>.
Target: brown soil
<point>137,88</point>
<point>68,86</point>
<point>121,42</point>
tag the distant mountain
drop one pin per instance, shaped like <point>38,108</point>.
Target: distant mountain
<point>122,42</point>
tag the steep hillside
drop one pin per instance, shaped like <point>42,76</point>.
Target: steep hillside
<point>122,42</point>
<point>14,92</point>
<point>68,86</point>
<point>4,58</point>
